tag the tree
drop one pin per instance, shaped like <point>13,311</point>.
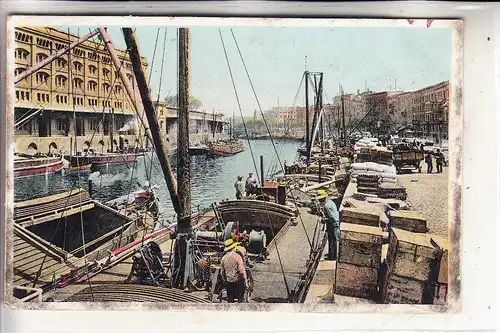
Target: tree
<point>195,102</point>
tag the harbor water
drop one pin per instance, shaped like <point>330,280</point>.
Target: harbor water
<point>212,178</point>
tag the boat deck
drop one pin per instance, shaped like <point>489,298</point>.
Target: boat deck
<point>29,254</point>
<point>292,248</point>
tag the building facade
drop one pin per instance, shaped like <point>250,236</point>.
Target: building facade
<point>430,110</point>
<point>80,96</point>
<point>203,126</point>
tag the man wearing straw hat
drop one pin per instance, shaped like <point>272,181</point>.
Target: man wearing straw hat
<point>233,271</point>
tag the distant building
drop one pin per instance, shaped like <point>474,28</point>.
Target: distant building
<point>430,110</point>
<point>204,126</point>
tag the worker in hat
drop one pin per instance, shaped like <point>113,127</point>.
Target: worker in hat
<point>248,183</point>
<point>238,185</point>
<point>136,274</point>
<point>234,273</point>
<point>332,221</point>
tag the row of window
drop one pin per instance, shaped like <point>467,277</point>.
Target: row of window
<point>43,43</point>
<point>23,37</point>
<point>92,101</point>
<point>78,101</point>
<point>43,98</point>
<point>23,54</point>
<point>22,95</point>
<point>61,99</point>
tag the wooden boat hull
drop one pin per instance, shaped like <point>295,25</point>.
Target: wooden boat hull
<point>198,150</point>
<point>37,167</point>
<point>100,160</point>
<point>226,148</point>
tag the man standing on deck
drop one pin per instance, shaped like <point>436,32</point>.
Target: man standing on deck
<point>332,227</point>
<point>248,184</point>
<point>238,185</point>
<point>234,273</point>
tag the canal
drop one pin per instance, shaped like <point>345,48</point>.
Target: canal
<point>212,178</point>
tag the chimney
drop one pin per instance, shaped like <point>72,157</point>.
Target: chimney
<point>358,92</point>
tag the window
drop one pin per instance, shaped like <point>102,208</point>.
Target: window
<point>61,81</point>
<point>105,73</point>
<point>77,66</point>
<point>61,62</point>
<point>18,71</point>
<point>92,85</point>
<point>17,94</point>
<point>61,125</point>
<point>41,57</point>
<point>92,69</point>
<point>94,125</point>
<point>105,87</point>
<point>130,78</point>
<point>77,83</point>
<point>41,77</point>
<point>118,89</point>
<point>21,54</point>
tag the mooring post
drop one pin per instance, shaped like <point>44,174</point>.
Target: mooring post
<point>261,171</point>
<point>90,188</point>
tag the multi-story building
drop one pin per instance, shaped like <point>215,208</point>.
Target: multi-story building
<point>80,94</point>
<point>430,110</point>
<point>204,126</point>
<point>401,107</point>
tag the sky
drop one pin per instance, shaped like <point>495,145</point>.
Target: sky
<point>275,58</point>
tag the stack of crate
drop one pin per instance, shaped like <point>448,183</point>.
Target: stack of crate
<point>413,262</point>
<point>360,252</point>
<point>408,220</point>
<point>392,191</point>
<point>359,260</point>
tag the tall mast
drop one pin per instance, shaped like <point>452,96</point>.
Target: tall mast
<point>70,78</point>
<point>307,111</point>
<point>183,159</point>
<point>149,110</point>
<point>343,117</point>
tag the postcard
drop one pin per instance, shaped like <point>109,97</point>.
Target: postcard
<point>312,165</point>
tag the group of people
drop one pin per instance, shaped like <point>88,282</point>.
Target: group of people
<point>249,188</point>
<point>439,161</point>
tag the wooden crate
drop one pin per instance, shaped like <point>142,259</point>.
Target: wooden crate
<point>403,290</point>
<point>360,245</point>
<point>356,281</point>
<point>408,220</point>
<point>364,216</point>
<point>413,255</point>
<point>440,296</point>
<point>444,245</point>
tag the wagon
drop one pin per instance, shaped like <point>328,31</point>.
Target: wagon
<point>404,159</point>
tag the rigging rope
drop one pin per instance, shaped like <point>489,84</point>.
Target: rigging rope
<point>159,91</point>
<point>272,170</point>
<point>78,179</point>
<point>238,101</point>
<point>257,100</point>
